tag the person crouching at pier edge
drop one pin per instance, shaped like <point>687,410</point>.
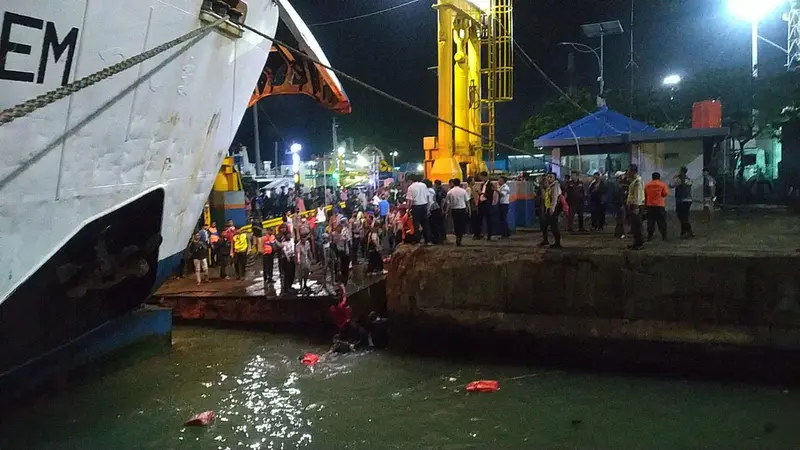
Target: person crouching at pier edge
<point>551,198</point>
<point>240,247</point>
<point>654,194</point>
<point>286,258</point>
<point>199,253</point>
<point>457,204</point>
<point>270,248</point>
<point>635,201</point>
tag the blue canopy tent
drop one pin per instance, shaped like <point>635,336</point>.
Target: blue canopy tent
<point>603,126</point>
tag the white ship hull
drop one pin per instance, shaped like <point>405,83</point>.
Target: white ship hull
<point>99,164</point>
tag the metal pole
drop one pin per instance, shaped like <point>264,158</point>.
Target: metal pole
<point>754,62</point>
<point>257,139</point>
<point>602,64</point>
<point>277,163</point>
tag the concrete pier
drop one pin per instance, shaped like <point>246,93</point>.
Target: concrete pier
<point>733,287</point>
<point>247,302</point>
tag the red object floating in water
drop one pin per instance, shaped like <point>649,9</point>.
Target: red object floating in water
<point>310,359</point>
<point>483,386</point>
<point>203,419</point>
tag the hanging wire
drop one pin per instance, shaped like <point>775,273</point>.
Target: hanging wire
<point>362,16</point>
<point>388,96</point>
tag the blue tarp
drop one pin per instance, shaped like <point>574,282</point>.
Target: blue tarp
<point>603,123</point>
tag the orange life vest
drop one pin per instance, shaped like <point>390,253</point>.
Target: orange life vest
<point>269,244</point>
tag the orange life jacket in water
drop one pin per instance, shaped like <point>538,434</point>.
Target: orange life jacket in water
<point>483,386</point>
<point>310,359</point>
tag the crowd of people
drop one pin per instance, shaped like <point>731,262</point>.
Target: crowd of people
<point>627,196</point>
<point>364,226</point>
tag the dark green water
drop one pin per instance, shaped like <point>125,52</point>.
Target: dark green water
<point>264,398</point>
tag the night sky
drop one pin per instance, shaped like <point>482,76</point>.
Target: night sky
<point>392,51</point>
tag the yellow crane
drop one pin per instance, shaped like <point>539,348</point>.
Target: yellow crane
<point>470,85</point>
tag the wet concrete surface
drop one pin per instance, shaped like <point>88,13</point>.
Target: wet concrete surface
<point>249,301</point>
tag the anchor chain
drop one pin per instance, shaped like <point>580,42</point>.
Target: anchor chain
<point>25,108</point>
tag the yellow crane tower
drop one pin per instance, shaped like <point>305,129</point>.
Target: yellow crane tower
<point>475,71</point>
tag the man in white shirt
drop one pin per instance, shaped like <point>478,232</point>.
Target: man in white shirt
<point>457,203</point>
<point>502,205</point>
<point>419,199</point>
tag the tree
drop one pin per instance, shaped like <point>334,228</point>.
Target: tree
<point>553,115</point>
<point>775,97</point>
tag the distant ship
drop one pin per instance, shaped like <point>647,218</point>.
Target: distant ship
<point>100,191</point>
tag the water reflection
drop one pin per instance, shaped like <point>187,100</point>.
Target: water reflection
<point>258,412</point>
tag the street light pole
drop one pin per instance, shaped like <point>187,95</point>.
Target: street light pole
<point>602,64</point>
<point>583,48</point>
<point>754,60</point>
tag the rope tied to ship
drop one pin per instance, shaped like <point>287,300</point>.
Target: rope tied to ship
<point>27,107</point>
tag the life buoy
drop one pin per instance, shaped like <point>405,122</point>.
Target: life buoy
<point>310,359</point>
<point>483,386</point>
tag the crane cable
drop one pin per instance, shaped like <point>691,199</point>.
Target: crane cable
<point>363,16</point>
<point>388,96</point>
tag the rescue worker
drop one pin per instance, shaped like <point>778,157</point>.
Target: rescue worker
<point>683,201</point>
<point>270,248</point>
<point>240,247</point>
<point>214,243</point>
<point>654,194</point>
<point>635,202</point>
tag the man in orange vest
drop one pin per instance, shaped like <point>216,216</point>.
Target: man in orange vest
<point>654,194</point>
<point>269,245</point>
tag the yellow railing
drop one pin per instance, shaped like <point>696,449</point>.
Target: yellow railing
<point>276,222</point>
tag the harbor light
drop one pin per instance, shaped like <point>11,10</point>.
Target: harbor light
<point>295,148</point>
<point>296,162</point>
<point>420,167</point>
<point>753,10</point>
<point>672,80</point>
<point>341,150</point>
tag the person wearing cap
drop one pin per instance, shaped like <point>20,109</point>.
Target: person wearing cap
<point>635,202</point>
<point>683,200</point>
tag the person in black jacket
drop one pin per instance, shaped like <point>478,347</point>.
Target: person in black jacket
<point>198,251</point>
<point>597,200</point>
<point>575,199</point>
